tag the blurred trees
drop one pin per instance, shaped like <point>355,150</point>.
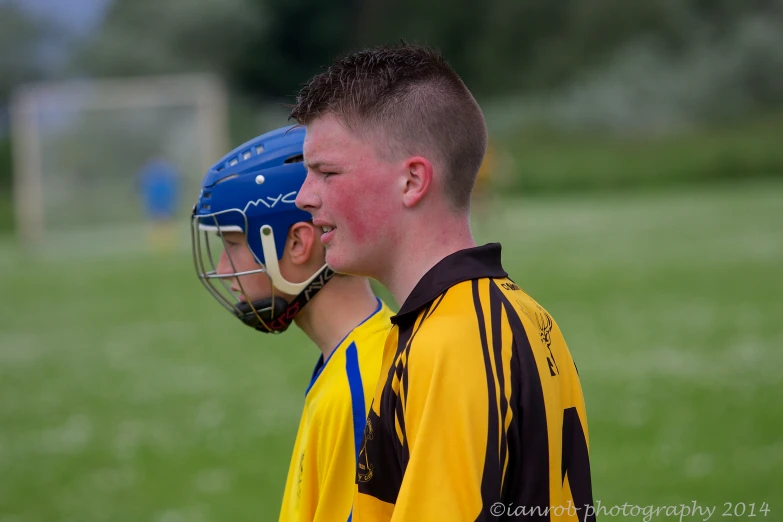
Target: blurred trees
<point>629,68</point>
<point>265,48</point>
<point>268,47</point>
<point>169,36</point>
<point>20,44</point>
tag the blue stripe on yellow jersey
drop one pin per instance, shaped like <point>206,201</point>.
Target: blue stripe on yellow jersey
<point>323,465</point>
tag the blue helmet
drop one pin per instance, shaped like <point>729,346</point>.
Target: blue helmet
<point>252,190</point>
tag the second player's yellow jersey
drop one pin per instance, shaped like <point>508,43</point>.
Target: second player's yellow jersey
<point>323,465</point>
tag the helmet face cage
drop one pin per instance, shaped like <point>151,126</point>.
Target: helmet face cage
<point>252,190</point>
<point>208,244</point>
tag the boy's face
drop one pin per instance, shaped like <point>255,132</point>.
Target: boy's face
<point>253,286</point>
<point>353,193</point>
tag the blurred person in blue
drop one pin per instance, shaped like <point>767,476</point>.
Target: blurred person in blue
<point>159,182</point>
<point>262,259</point>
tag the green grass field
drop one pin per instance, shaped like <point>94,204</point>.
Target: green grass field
<point>128,394</point>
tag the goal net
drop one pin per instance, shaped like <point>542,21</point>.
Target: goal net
<point>85,152</point>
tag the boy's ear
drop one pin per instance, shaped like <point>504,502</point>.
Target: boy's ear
<point>300,241</point>
<point>417,180</point>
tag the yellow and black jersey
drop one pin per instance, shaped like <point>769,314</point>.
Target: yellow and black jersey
<point>479,411</point>
<point>320,480</point>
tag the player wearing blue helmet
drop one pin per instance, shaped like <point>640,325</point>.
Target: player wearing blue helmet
<point>262,259</point>
<point>250,193</point>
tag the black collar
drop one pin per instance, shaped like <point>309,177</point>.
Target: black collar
<point>463,265</point>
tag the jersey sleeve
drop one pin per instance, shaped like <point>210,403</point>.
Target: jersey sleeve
<point>446,407</point>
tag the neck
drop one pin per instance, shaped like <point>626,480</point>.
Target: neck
<point>426,247</point>
<point>338,308</point>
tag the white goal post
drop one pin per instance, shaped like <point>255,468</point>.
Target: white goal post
<point>187,115</point>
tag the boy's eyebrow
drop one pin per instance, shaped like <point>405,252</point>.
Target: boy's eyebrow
<point>318,165</point>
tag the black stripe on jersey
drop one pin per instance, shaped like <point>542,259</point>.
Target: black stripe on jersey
<point>404,453</point>
<point>435,305</point>
<point>409,341</point>
<point>401,446</point>
<point>495,308</point>
<point>402,401</point>
<point>528,472</point>
<point>382,448</point>
<point>513,438</point>
<point>576,462</point>
<point>490,480</point>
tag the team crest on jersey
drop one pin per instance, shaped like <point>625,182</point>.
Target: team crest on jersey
<point>365,468</point>
<point>544,323</point>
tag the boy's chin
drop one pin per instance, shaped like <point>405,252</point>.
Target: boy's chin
<point>335,261</point>
<point>341,264</point>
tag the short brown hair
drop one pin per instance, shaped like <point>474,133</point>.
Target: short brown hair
<point>413,96</point>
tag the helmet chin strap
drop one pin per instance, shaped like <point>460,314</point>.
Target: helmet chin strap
<point>274,315</point>
<point>273,267</point>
